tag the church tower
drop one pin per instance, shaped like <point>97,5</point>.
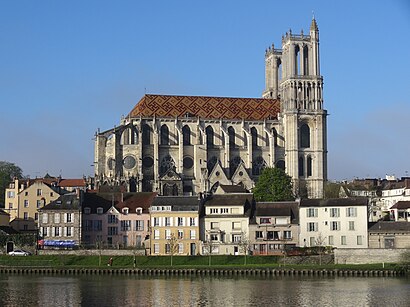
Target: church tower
<point>292,74</point>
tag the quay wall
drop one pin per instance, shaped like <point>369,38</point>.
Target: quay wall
<point>205,272</point>
<point>369,255</point>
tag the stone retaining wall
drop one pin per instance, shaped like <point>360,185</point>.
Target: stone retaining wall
<point>368,255</point>
<point>93,252</point>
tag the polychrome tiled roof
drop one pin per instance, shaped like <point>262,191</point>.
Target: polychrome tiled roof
<point>206,107</point>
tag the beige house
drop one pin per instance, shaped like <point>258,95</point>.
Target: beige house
<point>274,228</point>
<point>224,225</point>
<point>24,198</point>
<point>174,226</point>
<point>389,234</point>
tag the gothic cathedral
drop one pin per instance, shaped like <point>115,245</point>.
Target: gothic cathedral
<point>184,145</point>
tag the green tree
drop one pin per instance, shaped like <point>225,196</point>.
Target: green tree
<point>8,171</point>
<point>273,185</point>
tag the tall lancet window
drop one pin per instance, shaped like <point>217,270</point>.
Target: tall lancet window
<point>304,136</point>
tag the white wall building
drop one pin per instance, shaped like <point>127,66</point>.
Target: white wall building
<point>225,226</point>
<point>338,222</point>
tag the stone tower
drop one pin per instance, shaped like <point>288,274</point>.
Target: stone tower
<point>292,74</point>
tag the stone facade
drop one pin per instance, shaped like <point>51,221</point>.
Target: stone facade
<point>60,221</point>
<point>185,145</point>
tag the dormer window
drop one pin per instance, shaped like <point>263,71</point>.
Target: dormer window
<point>99,210</point>
<point>87,210</point>
<point>125,211</point>
<point>139,211</point>
<point>264,220</point>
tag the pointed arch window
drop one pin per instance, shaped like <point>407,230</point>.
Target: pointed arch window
<point>209,137</point>
<point>258,165</point>
<point>231,133</point>
<point>146,135</point>
<point>279,71</point>
<point>234,163</point>
<point>211,164</point>
<point>275,137</point>
<point>167,163</point>
<point>254,134</point>
<point>297,60</point>
<point>164,135</point>
<point>280,164</point>
<point>305,60</point>
<point>129,136</point>
<point>186,135</point>
<point>301,167</point>
<point>309,166</point>
<point>304,136</point>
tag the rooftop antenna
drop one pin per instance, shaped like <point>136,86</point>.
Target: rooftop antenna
<point>313,14</point>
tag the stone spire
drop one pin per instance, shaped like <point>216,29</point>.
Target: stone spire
<point>313,25</point>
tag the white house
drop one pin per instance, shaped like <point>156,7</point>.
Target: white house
<point>338,222</point>
<point>225,224</point>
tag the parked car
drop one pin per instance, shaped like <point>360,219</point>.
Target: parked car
<point>19,252</point>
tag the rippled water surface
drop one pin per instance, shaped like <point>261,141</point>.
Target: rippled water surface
<point>37,290</point>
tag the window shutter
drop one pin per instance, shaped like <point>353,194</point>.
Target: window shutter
<point>171,221</point>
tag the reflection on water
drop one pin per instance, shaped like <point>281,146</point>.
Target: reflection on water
<point>37,290</point>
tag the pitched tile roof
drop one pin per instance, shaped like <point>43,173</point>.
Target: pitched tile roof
<point>390,226</point>
<point>278,209</point>
<point>97,200</point>
<point>137,200</point>
<point>206,107</point>
<point>64,202</point>
<point>72,183</point>
<point>334,202</point>
<point>401,205</point>
<point>178,203</point>
<point>229,200</point>
<point>233,188</point>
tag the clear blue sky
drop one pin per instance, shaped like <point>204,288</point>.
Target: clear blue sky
<point>70,67</point>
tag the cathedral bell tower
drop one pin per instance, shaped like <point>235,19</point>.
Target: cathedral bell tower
<point>292,74</point>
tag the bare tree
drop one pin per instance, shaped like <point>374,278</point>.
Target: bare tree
<point>173,246</point>
<point>319,242</point>
<point>244,244</point>
<point>209,246</point>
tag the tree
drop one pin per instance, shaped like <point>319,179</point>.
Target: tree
<point>244,244</point>
<point>319,242</point>
<point>8,171</point>
<point>173,246</point>
<point>209,246</point>
<point>273,185</point>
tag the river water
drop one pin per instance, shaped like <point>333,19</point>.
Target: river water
<point>38,290</point>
